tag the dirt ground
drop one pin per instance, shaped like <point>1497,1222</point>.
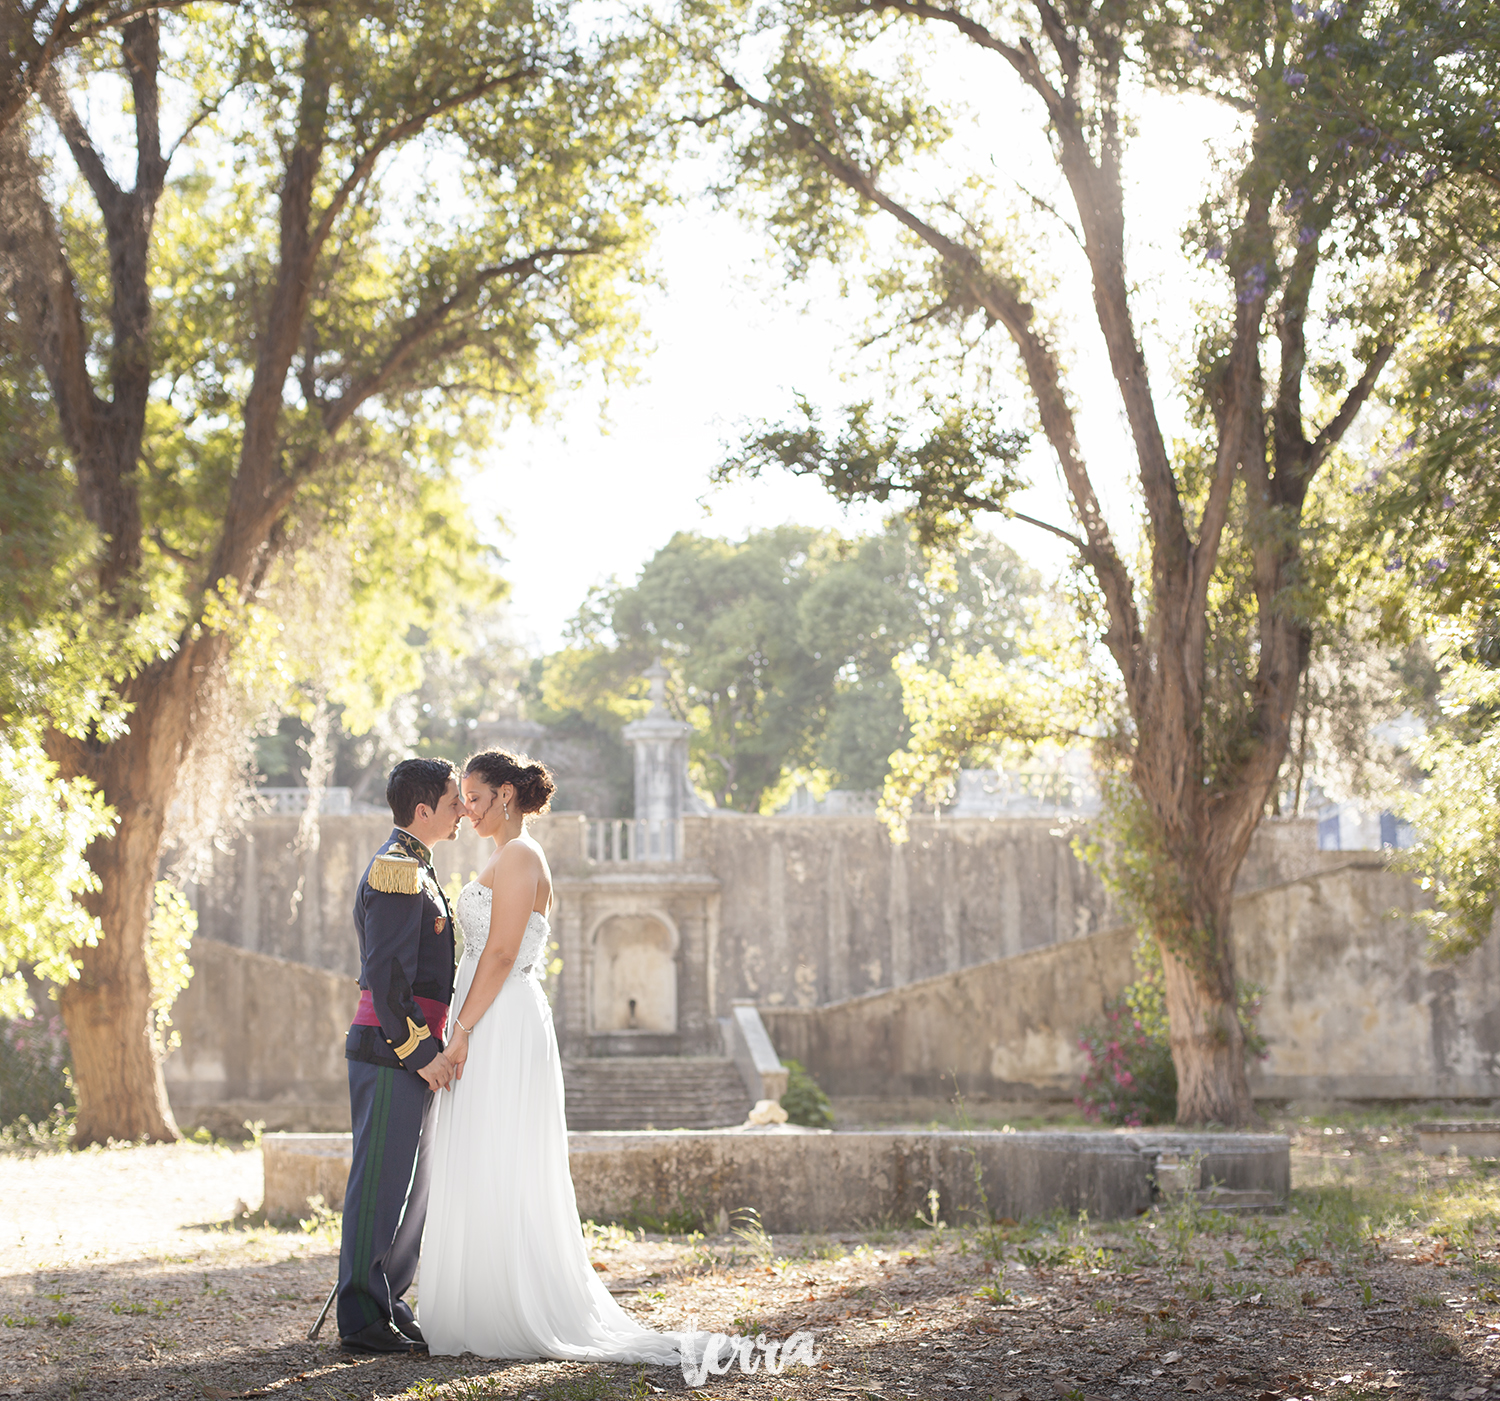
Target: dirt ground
<point>137,1273</point>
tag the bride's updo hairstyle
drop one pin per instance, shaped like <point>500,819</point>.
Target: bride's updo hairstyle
<point>531,780</point>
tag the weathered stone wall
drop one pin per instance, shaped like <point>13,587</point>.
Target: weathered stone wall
<point>1352,1010</point>
<point>810,910</point>
<point>266,896</point>
<point>261,1039</point>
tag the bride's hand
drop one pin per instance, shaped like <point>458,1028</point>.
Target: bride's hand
<point>457,1051</point>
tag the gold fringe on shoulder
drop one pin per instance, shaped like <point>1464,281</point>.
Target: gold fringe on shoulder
<point>396,875</point>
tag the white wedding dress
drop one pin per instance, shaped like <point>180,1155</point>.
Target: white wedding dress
<point>504,1269</point>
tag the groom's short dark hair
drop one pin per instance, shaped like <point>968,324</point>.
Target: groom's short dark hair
<point>415,781</point>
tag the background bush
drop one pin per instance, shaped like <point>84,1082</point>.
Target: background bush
<point>803,1101</point>
<point>34,1077</point>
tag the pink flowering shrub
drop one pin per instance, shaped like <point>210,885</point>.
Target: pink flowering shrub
<point>1130,1078</point>
<point>34,1079</point>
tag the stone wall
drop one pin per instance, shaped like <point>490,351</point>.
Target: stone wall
<point>810,910</point>
<point>1352,1010</point>
<point>261,1039</point>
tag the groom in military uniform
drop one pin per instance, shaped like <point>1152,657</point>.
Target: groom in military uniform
<point>396,1060</point>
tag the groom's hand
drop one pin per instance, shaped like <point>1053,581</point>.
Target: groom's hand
<point>438,1072</point>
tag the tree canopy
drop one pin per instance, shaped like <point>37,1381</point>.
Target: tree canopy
<point>783,648</point>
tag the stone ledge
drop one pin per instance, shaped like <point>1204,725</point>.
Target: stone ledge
<point>301,1166</point>
<point>827,1180</point>
<point>1469,1138</point>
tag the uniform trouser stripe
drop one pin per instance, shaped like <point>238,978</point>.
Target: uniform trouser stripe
<point>386,1199</point>
<point>375,1157</point>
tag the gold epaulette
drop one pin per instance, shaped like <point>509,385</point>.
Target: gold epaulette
<point>396,875</point>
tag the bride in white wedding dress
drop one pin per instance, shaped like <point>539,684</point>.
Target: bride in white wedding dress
<point>504,1269</point>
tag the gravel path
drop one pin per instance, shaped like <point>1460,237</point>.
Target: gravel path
<point>110,1204</point>
<point>127,1274</point>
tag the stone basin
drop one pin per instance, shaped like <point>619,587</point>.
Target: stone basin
<point>829,1180</point>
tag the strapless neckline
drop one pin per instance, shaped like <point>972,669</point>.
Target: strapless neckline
<point>473,911</point>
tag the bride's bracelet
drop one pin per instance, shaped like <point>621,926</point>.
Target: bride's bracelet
<point>462,1027</point>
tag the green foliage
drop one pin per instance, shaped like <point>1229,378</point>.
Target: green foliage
<point>54,642</point>
<point>990,707</point>
<point>783,647</point>
<point>804,1102</point>
<point>173,924</point>
<point>1456,811</point>
<point>959,460</point>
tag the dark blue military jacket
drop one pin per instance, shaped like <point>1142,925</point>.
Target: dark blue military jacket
<point>406,951</point>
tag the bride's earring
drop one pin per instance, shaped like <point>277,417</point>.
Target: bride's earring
<point>505,809</point>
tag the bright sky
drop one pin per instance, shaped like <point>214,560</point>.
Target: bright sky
<point>584,502</point>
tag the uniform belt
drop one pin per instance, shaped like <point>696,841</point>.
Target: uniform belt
<point>435,1012</point>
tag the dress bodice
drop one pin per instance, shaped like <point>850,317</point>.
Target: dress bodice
<point>474,903</point>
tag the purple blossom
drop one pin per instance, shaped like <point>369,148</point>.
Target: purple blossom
<point>1448,502</point>
<point>1215,254</point>
<point>1254,285</point>
<point>1293,79</point>
<point>1306,234</point>
<point>1393,563</point>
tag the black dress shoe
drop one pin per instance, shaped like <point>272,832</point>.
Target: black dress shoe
<point>382,1336</point>
<point>410,1330</point>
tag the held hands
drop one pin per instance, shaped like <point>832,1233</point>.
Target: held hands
<point>438,1072</point>
<point>457,1051</point>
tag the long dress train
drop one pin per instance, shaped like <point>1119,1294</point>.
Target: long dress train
<point>504,1269</point>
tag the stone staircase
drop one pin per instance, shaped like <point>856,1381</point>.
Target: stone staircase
<point>659,1092</point>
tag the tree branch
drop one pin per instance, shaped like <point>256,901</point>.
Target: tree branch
<point>399,131</point>
<point>1042,370</point>
<point>422,326</point>
<point>1334,430</point>
<point>86,157</point>
<point>1057,530</point>
<point>1022,59</point>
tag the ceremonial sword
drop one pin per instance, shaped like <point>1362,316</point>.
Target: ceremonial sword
<point>317,1327</point>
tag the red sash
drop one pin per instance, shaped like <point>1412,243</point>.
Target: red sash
<point>435,1012</point>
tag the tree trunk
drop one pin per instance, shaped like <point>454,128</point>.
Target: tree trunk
<point>116,1060</point>
<point>1208,1045</point>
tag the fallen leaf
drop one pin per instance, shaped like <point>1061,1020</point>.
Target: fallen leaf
<point>1170,1358</point>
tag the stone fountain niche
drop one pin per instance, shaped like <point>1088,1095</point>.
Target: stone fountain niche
<point>633,1009</point>
<point>638,916</point>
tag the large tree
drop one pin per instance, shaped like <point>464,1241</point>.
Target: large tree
<point>269,310</point>
<point>1315,235</point>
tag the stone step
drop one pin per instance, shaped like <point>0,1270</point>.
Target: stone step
<point>663,1092</point>
<point>1238,1203</point>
